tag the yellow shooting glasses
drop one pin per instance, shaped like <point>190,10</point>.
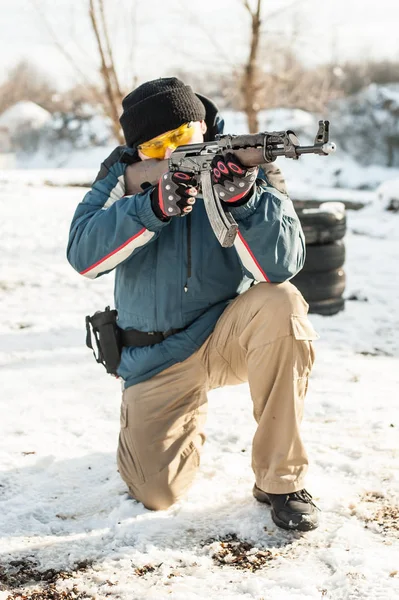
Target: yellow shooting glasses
<point>157,147</point>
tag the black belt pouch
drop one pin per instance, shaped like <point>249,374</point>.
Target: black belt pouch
<point>102,326</point>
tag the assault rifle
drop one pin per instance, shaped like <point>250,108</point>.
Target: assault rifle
<point>250,149</point>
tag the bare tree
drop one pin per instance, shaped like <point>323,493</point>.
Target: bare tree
<point>110,94</point>
<point>26,81</point>
<point>108,72</point>
<point>273,76</point>
<point>250,82</point>
<point>253,78</point>
<point>358,74</point>
<point>286,82</point>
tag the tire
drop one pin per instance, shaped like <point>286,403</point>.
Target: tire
<point>322,226</point>
<point>324,258</point>
<point>320,285</point>
<point>327,307</point>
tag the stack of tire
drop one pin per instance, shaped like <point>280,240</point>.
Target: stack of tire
<point>322,279</point>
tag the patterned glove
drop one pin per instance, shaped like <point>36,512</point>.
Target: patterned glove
<point>174,195</point>
<point>232,181</point>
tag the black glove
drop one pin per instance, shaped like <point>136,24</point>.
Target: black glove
<point>174,195</point>
<point>232,181</point>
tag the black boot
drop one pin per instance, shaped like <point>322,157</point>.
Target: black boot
<point>294,511</point>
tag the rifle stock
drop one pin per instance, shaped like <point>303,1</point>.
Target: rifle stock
<point>143,174</point>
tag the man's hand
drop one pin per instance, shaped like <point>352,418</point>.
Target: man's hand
<point>232,181</point>
<point>174,195</point>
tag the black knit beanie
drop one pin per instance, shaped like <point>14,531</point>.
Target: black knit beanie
<point>156,107</point>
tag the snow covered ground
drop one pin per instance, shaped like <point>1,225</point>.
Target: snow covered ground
<point>65,517</point>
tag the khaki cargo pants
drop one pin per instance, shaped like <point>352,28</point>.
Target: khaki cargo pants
<point>263,337</point>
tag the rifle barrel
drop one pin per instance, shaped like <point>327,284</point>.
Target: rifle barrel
<point>300,150</point>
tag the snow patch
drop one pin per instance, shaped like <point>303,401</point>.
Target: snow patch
<point>24,114</point>
<point>63,504</point>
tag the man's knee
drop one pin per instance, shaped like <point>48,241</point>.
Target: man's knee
<point>155,495</point>
<point>154,492</point>
<point>158,493</point>
<point>161,488</point>
<point>277,298</point>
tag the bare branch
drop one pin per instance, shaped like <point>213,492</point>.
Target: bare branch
<point>249,83</point>
<point>105,72</point>
<point>55,39</point>
<point>132,40</point>
<point>212,38</point>
<point>283,9</point>
<point>111,65</point>
<point>247,6</point>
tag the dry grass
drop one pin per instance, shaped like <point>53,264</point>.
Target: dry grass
<point>19,574</point>
<point>240,554</point>
<point>385,514</point>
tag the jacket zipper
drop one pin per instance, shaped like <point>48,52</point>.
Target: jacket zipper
<point>188,251</point>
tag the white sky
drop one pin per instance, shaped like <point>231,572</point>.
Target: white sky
<point>201,34</point>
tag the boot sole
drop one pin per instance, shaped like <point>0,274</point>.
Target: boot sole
<point>261,496</point>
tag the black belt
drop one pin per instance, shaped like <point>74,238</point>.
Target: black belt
<point>133,337</point>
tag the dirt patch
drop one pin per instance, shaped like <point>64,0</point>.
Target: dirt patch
<point>375,352</point>
<point>381,512</point>
<point>141,571</point>
<point>50,592</point>
<point>240,554</point>
<point>25,571</point>
<point>10,286</point>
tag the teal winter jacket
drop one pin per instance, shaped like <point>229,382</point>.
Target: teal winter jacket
<point>175,274</point>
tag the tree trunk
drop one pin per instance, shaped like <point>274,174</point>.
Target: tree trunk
<point>249,81</point>
<point>108,72</point>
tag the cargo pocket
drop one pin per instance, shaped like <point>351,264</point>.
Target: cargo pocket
<point>183,469</point>
<point>123,416</point>
<point>303,336</point>
<point>128,461</point>
<point>192,452</point>
<point>303,329</point>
